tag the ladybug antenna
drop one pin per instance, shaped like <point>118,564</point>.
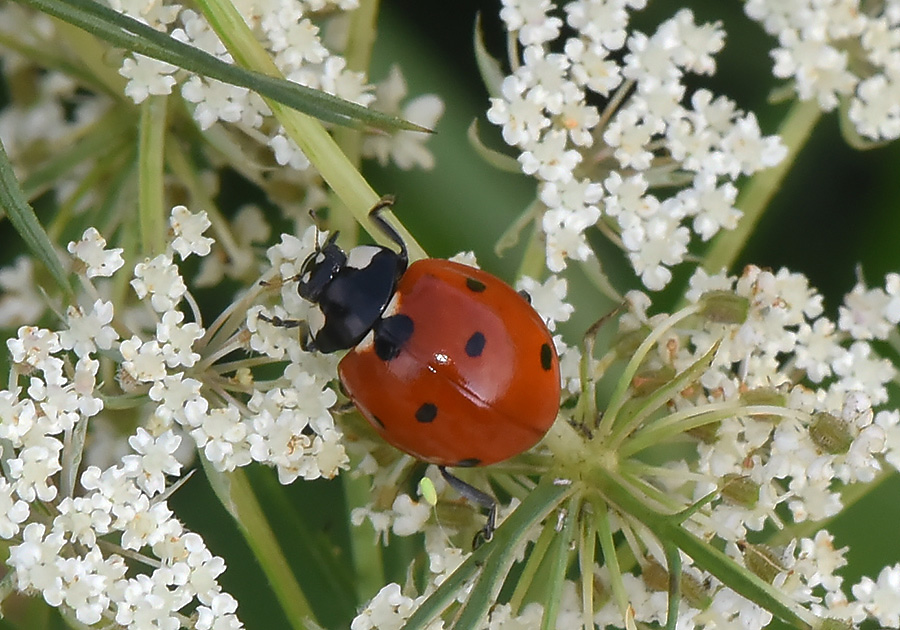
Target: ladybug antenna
<point>478,497</point>
<point>386,228</point>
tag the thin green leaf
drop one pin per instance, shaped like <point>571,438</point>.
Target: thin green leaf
<point>125,32</point>
<point>236,495</point>
<point>498,160</point>
<point>559,555</point>
<point>629,422</point>
<point>505,551</point>
<point>491,73</point>
<point>668,528</point>
<point>151,151</point>
<point>673,560</point>
<point>492,556</point>
<point>513,233</point>
<point>25,221</point>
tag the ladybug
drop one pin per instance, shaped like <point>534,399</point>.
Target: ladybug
<point>447,362</point>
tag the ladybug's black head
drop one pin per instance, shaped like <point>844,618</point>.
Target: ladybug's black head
<point>320,268</point>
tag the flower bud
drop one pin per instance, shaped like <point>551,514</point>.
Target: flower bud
<point>724,307</point>
<point>830,434</point>
<point>763,561</point>
<point>764,396</point>
<point>740,490</point>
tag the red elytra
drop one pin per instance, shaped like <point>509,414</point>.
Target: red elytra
<point>476,383</point>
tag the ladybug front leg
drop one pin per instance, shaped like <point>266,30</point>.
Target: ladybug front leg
<point>478,497</point>
<point>306,342</point>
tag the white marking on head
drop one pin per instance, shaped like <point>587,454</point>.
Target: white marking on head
<point>360,257</point>
<point>315,319</point>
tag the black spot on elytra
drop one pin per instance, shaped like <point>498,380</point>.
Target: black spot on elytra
<point>475,345</point>
<point>390,335</point>
<point>468,463</point>
<point>546,357</point>
<point>475,285</point>
<point>427,412</point>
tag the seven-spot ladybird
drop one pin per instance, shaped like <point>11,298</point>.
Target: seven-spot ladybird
<point>447,362</point>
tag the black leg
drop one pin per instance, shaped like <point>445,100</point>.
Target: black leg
<point>306,341</point>
<point>478,497</point>
<point>375,214</point>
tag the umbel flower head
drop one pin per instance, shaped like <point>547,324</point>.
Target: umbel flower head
<point>601,118</point>
<point>697,450</point>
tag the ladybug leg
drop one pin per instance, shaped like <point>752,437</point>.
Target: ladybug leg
<point>306,342</point>
<point>375,214</point>
<point>478,497</point>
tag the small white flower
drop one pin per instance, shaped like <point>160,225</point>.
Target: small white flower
<point>565,235</point>
<point>409,517</point>
<point>188,228</point>
<point>91,250</point>
<point>222,434</point>
<point>144,361</point>
<point>879,598</point>
<point>548,298</point>
<point>147,77</point>
<point>178,339</point>
<point>32,470</point>
<point>13,512</point>
<point>529,19</point>
<point>217,101</point>
<point>89,331</point>
<point>522,118</point>
<point>160,279</point>
<point>34,562</point>
<point>219,615</point>
<point>154,460</point>
<point>388,609</point>
<point>863,313</point>
<point>34,346</point>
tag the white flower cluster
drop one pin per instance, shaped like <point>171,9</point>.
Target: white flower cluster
<point>794,400</point>
<point>788,410</point>
<point>599,167</point>
<point>170,364</point>
<point>295,32</point>
<point>840,54</point>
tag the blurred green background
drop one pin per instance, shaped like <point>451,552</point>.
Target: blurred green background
<point>838,209</point>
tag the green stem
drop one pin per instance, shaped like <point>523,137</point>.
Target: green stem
<point>492,560</point>
<point>533,264</point>
<point>25,221</point>
<point>358,53</point>
<point>668,529</point>
<point>535,558</point>
<point>559,563</point>
<point>368,564</point>
<point>236,494</point>
<point>619,397</point>
<point>151,207</point>
<point>318,146</point>
<point>756,195</point>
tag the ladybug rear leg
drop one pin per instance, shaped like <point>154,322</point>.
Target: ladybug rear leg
<point>478,497</point>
